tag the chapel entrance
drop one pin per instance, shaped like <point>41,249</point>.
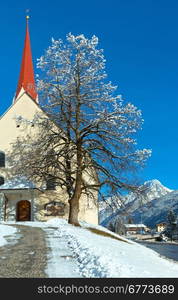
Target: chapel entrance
<point>23,210</point>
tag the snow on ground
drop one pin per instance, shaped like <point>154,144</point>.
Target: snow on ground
<point>5,231</point>
<point>99,256</point>
<point>61,261</point>
<point>77,252</point>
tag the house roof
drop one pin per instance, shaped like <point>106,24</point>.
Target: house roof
<point>134,225</point>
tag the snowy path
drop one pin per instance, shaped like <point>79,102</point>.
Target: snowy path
<point>61,262</point>
<point>24,256</point>
<point>34,252</point>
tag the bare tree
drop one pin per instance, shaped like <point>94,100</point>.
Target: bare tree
<point>94,130</point>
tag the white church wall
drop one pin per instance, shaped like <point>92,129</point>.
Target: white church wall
<point>27,108</point>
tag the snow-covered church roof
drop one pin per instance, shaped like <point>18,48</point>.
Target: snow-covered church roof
<point>17,183</point>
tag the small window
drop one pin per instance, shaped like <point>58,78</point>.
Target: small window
<point>1,180</point>
<point>50,183</point>
<point>2,159</point>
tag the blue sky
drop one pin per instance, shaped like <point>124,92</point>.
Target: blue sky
<point>140,42</point>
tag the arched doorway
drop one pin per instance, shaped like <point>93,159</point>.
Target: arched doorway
<point>23,210</point>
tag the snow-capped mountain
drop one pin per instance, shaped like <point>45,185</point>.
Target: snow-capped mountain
<point>157,210</point>
<point>154,189</point>
<point>150,190</point>
<point>149,193</point>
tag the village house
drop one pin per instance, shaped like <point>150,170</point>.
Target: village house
<point>161,227</point>
<point>22,200</point>
<point>136,229</point>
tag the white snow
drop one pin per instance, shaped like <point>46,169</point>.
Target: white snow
<point>77,252</point>
<point>99,256</point>
<point>17,183</point>
<point>134,225</point>
<point>56,222</point>
<point>61,260</point>
<point>5,231</point>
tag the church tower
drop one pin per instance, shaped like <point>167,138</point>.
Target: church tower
<point>18,196</point>
<point>26,81</point>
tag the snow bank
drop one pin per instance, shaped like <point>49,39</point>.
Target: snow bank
<point>56,222</point>
<point>99,256</point>
<point>4,231</point>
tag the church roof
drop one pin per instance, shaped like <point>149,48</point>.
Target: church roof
<point>26,78</point>
<point>17,183</point>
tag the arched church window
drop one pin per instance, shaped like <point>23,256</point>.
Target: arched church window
<point>1,180</point>
<point>2,159</point>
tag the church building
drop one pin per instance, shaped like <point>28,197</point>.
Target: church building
<point>20,199</point>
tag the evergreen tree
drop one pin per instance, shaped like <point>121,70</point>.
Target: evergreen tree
<point>171,218</point>
<point>171,224</point>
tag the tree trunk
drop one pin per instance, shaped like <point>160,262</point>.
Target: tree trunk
<point>74,204</point>
<point>74,211</point>
<point>74,201</point>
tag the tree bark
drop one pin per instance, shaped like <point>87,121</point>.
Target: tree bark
<point>74,204</point>
<point>74,201</point>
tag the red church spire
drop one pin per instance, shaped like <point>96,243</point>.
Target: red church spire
<point>26,78</point>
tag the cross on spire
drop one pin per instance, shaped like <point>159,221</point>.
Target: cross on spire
<point>26,78</point>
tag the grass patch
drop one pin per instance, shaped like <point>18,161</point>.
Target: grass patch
<point>106,234</point>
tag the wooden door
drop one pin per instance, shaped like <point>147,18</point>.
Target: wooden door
<point>23,210</point>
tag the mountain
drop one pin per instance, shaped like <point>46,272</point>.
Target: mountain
<point>156,211</point>
<point>108,208</point>
<point>146,206</point>
<point>150,190</point>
